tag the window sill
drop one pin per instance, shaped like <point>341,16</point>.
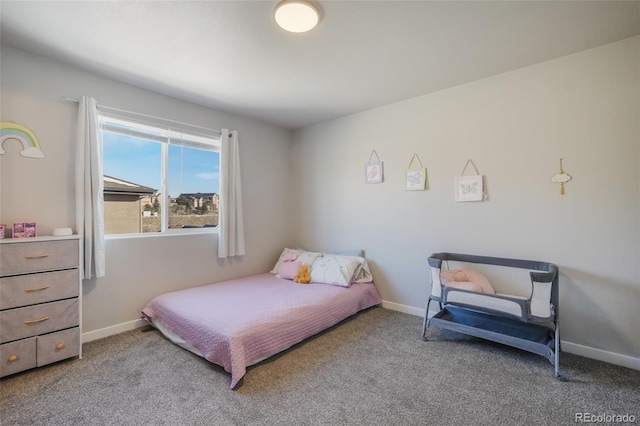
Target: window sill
<point>172,233</point>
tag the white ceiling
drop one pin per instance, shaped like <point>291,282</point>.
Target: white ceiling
<point>230,55</point>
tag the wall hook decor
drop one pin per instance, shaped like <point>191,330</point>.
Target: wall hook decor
<point>416,176</point>
<point>469,187</point>
<point>29,141</point>
<point>561,178</point>
<point>373,169</point>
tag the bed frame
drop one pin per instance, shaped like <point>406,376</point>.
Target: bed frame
<point>521,314</point>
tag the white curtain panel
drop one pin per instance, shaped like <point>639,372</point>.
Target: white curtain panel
<point>89,189</point>
<point>231,224</point>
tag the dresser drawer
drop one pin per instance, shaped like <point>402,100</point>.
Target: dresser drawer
<point>19,323</point>
<point>23,290</point>
<point>17,356</point>
<point>58,346</point>
<point>37,256</point>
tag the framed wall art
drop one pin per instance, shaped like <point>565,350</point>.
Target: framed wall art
<point>416,179</point>
<point>373,170</point>
<point>469,187</point>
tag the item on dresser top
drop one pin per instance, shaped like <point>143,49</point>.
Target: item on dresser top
<point>39,302</point>
<point>61,232</point>
<point>18,230</point>
<point>2,229</point>
<point>25,230</point>
<point>521,312</point>
<point>30,230</point>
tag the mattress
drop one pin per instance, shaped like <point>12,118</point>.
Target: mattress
<point>240,322</point>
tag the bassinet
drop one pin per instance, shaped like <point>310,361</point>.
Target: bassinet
<point>523,313</point>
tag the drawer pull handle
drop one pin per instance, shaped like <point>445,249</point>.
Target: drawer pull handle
<point>13,358</point>
<point>44,287</point>
<point>36,320</point>
<point>60,346</point>
<point>37,256</point>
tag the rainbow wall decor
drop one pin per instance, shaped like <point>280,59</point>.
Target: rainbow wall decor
<point>30,145</point>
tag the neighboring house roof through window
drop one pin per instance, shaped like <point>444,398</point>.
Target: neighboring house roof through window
<point>118,186</point>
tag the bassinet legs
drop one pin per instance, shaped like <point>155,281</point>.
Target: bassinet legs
<point>426,317</point>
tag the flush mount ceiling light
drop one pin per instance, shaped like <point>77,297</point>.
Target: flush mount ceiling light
<point>297,16</point>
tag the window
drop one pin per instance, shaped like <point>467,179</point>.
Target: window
<point>158,176</point>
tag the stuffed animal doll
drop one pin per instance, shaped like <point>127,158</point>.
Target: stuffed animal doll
<point>304,276</point>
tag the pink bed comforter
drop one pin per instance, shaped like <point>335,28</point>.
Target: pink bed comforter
<point>239,322</point>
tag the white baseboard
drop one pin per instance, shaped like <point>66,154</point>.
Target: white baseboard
<point>403,308</point>
<point>601,355</point>
<point>110,331</point>
<point>572,348</point>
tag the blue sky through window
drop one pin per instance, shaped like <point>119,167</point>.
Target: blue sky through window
<point>139,161</point>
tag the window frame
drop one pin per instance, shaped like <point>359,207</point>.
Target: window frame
<point>167,133</point>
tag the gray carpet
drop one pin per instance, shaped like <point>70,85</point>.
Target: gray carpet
<point>372,369</point>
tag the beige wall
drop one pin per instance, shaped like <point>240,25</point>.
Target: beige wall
<point>515,126</point>
<point>42,191</point>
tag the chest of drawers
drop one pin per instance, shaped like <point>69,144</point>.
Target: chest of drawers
<point>40,302</point>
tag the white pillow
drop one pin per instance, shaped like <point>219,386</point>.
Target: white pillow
<point>363,273</point>
<point>335,270</point>
<point>307,257</point>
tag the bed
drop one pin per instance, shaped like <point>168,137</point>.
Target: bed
<point>240,322</point>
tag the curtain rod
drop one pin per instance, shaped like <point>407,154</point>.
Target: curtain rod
<point>106,108</point>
